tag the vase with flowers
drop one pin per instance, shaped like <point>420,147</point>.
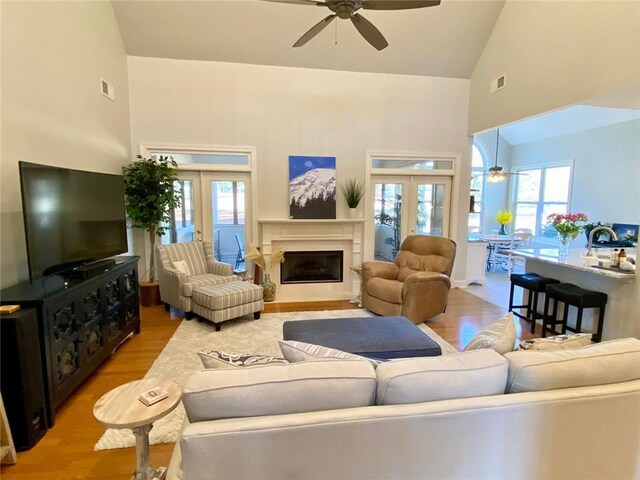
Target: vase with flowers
<point>277,257</point>
<point>568,226</point>
<point>503,217</point>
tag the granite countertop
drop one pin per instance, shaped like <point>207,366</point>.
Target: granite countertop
<point>576,261</point>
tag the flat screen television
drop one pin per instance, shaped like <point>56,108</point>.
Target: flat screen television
<point>71,217</point>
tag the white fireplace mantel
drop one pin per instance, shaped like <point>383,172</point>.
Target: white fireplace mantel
<point>315,235</point>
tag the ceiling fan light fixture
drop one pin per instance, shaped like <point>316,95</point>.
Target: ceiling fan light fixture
<point>495,177</point>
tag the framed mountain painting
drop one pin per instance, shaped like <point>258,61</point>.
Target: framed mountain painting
<point>312,187</point>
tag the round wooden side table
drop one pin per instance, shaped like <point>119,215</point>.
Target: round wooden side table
<point>120,408</point>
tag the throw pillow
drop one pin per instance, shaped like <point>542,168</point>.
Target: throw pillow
<point>216,359</point>
<point>499,336</point>
<point>557,342</point>
<point>182,267</point>
<point>300,351</point>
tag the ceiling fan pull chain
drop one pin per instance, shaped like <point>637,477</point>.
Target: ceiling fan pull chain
<point>336,35</point>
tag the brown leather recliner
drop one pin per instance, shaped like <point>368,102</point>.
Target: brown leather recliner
<point>417,285</point>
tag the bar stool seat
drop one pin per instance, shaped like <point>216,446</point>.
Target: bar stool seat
<point>575,296</point>
<point>535,284</point>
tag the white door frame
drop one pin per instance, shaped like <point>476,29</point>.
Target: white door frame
<point>251,227</point>
<point>370,171</point>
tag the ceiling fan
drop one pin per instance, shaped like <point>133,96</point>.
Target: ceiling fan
<point>346,9</point>
<point>496,174</point>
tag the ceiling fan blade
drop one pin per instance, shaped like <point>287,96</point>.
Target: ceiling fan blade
<point>312,3</point>
<point>398,4</point>
<point>370,33</point>
<point>315,30</point>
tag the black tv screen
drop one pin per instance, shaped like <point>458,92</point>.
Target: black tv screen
<point>71,217</point>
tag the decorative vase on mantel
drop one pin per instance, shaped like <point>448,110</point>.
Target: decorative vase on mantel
<point>268,288</point>
<point>565,242</point>
<point>502,231</point>
<point>353,213</point>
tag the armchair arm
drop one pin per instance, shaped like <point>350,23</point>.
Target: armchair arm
<point>386,270</point>
<point>424,295</point>
<point>171,281</point>
<point>219,268</point>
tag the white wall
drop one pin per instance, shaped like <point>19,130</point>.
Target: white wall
<point>285,111</point>
<point>53,56</point>
<point>496,195</point>
<point>606,176</point>
<point>554,54</point>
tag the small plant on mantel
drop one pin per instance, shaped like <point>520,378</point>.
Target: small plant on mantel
<point>353,191</point>
<point>150,197</point>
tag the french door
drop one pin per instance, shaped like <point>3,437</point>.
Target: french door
<point>214,209</point>
<point>408,205</point>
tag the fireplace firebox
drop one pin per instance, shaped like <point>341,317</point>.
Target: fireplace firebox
<point>312,267</point>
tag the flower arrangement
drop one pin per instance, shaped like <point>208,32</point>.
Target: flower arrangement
<point>567,225</point>
<point>258,257</point>
<point>504,217</point>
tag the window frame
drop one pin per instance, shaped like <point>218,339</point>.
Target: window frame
<point>474,171</point>
<point>540,204</point>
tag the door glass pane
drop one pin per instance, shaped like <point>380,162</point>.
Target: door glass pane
<point>412,164</point>
<point>430,209</point>
<point>228,217</point>
<point>556,184</point>
<point>206,158</point>
<point>387,220</point>
<point>181,228</point>
<point>528,189</point>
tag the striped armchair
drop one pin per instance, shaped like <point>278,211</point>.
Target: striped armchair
<point>202,269</point>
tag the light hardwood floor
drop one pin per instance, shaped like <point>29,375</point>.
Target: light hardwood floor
<point>66,451</point>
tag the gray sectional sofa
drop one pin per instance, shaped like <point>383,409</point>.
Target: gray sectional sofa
<point>567,414</point>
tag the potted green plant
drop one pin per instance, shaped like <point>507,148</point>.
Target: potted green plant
<point>353,191</point>
<point>150,198</point>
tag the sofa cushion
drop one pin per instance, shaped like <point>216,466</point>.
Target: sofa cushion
<point>462,375</point>
<point>499,336</point>
<point>217,359</point>
<point>279,389</point>
<point>598,364</point>
<point>206,280</point>
<point>386,290</point>
<point>226,295</point>
<point>557,342</point>
<point>300,351</point>
<point>405,272</point>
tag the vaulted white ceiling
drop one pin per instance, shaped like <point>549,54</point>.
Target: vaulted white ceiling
<point>442,41</point>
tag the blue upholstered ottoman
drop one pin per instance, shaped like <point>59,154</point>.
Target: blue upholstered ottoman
<point>373,337</point>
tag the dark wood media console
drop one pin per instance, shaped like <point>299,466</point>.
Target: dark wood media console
<point>80,323</point>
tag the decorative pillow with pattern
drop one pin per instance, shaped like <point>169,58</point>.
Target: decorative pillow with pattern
<point>216,359</point>
<point>300,351</point>
<point>182,267</point>
<point>557,342</point>
<point>499,336</point>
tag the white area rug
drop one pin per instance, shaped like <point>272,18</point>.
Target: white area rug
<point>179,358</point>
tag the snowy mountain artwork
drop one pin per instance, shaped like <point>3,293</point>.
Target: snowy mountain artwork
<point>312,187</point>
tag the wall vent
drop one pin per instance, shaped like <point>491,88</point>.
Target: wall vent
<point>498,83</point>
<point>107,89</point>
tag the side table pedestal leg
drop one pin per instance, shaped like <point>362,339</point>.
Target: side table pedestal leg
<point>144,470</point>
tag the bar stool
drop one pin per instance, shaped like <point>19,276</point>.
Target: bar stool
<point>536,284</point>
<point>572,295</point>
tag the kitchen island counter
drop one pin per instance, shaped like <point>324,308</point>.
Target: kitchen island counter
<point>622,314</point>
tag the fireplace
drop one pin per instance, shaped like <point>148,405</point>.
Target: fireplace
<point>312,267</point>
